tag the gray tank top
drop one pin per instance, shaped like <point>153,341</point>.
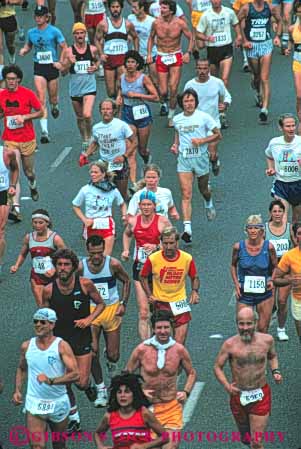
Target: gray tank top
<point>282,243</point>
<point>133,86</point>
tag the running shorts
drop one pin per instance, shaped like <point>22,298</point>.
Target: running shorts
<point>164,62</point>
<point>261,408</point>
<point>107,319</point>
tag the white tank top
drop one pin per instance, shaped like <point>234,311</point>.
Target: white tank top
<point>49,363</point>
<point>116,39</point>
<point>104,281</point>
<point>4,172</point>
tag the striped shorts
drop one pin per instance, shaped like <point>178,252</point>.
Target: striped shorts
<point>260,49</point>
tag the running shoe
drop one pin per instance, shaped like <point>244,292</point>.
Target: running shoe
<point>25,5</point>
<point>210,213</point>
<point>21,35</point>
<point>196,54</point>
<point>281,334</point>
<point>186,237</point>
<point>55,112</point>
<point>44,137</point>
<point>91,393</point>
<point>14,215</point>
<point>245,67</point>
<point>263,116</point>
<point>258,99</point>
<point>102,398</point>
<point>34,194</point>
<point>215,165</point>
<point>73,426</point>
<point>163,109</point>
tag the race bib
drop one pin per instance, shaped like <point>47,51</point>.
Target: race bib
<point>2,181</point>
<point>44,57</point>
<point>254,284</point>
<point>140,112</point>
<point>220,38</point>
<point>101,223</point>
<point>42,407</point>
<point>95,5</point>
<point>189,153</point>
<point>115,166</point>
<point>281,246</point>
<point>41,264</point>
<point>12,124</point>
<point>297,56</point>
<point>247,397</point>
<point>169,59</point>
<point>179,307</point>
<point>118,48</point>
<point>81,67</point>
<point>142,255</point>
<point>258,34</point>
<point>103,289</point>
<point>288,169</point>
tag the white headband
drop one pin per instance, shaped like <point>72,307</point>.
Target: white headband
<point>44,217</point>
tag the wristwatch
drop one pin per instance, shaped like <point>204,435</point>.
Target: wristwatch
<point>51,380</point>
<point>122,303</point>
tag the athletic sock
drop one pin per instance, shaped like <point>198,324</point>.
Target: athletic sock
<point>44,125</point>
<point>171,113</point>
<point>187,227</point>
<point>100,386</point>
<point>208,204</point>
<point>74,415</point>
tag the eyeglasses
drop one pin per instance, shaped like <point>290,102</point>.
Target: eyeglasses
<point>40,321</point>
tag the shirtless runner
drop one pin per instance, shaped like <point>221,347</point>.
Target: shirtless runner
<point>248,353</point>
<point>159,359</point>
<point>167,31</point>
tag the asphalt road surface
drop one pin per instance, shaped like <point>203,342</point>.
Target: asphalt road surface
<point>240,190</point>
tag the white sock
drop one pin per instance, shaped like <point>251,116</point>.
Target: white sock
<point>244,53</point>
<point>74,416</point>
<point>100,386</point>
<point>187,227</point>
<point>208,204</point>
<point>171,113</point>
<point>17,208</point>
<point>44,125</point>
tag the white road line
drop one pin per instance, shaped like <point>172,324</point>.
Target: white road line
<point>60,158</point>
<point>232,301</point>
<point>192,401</point>
<point>24,198</point>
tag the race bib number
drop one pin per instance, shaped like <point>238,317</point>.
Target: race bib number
<point>118,48</point>
<point>115,166</point>
<point>258,34</point>
<point>101,223</point>
<point>281,246</point>
<point>247,397</point>
<point>12,124</point>
<point>103,289</point>
<point>288,169</point>
<point>142,255</point>
<point>2,181</point>
<point>220,38</point>
<point>81,67</point>
<point>254,284</point>
<point>44,57</point>
<point>140,112</point>
<point>189,153</point>
<point>95,5</point>
<point>169,59</point>
<point>41,264</point>
<point>43,407</point>
<point>179,307</point>
<point>297,56</point>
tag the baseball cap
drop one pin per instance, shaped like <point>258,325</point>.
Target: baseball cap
<point>79,26</point>
<point>148,195</point>
<point>45,314</point>
<point>41,10</point>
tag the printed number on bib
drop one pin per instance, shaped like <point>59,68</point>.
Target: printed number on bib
<point>81,67</point>
<point>118,48</point>
<point>140,112</point>
<point>41,264</point>
<point>95,6</point>
<point>247,397</point>
<point>142,255</point>
<point>103,289</point>
<point>115,166</point>
<point>101,223</point>
<point>254,284</point>
<point>44,57</point>
<point>169,59</point>
<point>2,181</point>
<point>12,124</point>
<point>258,34</point>
<point>179,307</point>
<point>281,246</point>
<point>191,152</point>
<point>289,168</point>
<point>43,407</point>
<point>220,38</point>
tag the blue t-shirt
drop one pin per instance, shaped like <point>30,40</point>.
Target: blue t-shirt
<point>45,43</point>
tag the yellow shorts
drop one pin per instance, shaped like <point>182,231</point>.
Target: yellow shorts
<point>169,414</point>
<point>25,148</point>
<point>107,319</point>
<point>195,17</point>
<point>296,309</point>
<point>296,66</point>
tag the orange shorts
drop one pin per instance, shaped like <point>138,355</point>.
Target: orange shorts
<point>109,231</point>
<point>25,148</point>
<point>92,20</point>
<point>169,414</point>
<point>164,62</point>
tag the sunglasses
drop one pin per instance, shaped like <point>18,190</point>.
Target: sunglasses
<point>40,321</point>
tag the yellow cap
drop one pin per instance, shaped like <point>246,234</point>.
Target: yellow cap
<point>79,26</point>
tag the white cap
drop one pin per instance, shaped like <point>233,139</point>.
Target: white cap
<point>45,314</point>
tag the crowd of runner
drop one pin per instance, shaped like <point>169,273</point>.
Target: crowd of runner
<point>140,58</point>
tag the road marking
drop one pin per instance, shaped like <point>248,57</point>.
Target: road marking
<point>23,198</point>
<point>216,336</point>
<point>232,301</point>
<point>192,401</point>
<point>60,159</point>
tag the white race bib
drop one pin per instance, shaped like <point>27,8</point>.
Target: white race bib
<point>142,255</point>
<point>220,38</point>
<point>247,397</point>
<point>179,307</point>
<point>41,264</point>
<point>169,59</point>
<point>254,284</point>
<point>258,34</point>
<point>140,112</point>
<point>115,166</point>
<point>101,223</point>
<point>297,56</point>
<point>281,246</point>
<point>12,124</point>
<point>288,169</point>
<point>191,152</point>
<point>44,57</point>
<point>118,48</point>
<point>42,407</point>
<point>2,181</point>
<point>95,6</point>
<point>103,289</point>
<point>81,67</point>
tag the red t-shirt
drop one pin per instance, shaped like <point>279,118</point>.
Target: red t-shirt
<point>19,102</point>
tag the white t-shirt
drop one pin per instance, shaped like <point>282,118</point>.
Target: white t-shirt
<point>209,94</point>
<point>218,25</point>
<point>143,29</point>
<point>198,125</point>
<point>98,204</point>
<point>286,156</point>
<point>163,197</point>
<point>111,138</point>
<point>155,10</point>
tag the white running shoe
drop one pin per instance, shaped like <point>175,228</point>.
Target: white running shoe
<point>282,335</point>
<point>210,213</point>
<point>102,398</point>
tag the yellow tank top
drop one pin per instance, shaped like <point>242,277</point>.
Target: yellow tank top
<point>296,34</point>
<point>7,11</point>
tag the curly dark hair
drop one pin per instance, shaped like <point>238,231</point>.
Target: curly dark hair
<point>134,383</point>
<point>133,54</point>
<point>12,68</point>
<point>65,253</point>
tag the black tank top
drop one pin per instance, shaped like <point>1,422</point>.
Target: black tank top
<point>74,306</point>
<point>87,56</point>
<point>258,24</point>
